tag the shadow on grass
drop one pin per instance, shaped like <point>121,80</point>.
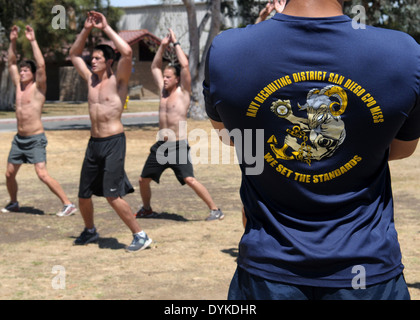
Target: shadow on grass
<point>415,285</point>
<point>105,243</point>
<point>167,216</point>
<point>233,252</point>
<point>31,210</point>
<point>110,243</point>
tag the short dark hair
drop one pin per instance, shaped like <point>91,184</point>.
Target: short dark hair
<point>108,52</point>
<point>176,69</point>
<point>28,64</point>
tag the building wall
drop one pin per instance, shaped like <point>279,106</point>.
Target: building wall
<point>141,75</point>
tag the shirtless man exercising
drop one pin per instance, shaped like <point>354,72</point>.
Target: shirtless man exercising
<point>29,144</point>
<point>103,171</point>
<point>175,90</point>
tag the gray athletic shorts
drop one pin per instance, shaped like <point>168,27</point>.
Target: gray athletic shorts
<point>30,149</point>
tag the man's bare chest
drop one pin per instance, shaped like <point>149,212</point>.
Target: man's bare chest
<point>169,104</point>
<point>28,101</point>
<point>101,91</point>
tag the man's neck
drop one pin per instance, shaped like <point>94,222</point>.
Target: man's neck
<point>104,75</point>
<point>24,85</point>
<point>169,92</point>
<point>314,8</point>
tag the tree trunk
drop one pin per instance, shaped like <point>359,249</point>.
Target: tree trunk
<point>197,66</point>
<point>7,91</point>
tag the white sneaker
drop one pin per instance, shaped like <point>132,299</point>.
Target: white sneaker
<point>11,207</point>
<point>215,215</point>
<point>67,210</point>
<point>139,243</point>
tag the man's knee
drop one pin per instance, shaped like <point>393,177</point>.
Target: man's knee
<point>85,204</point>
<point>42,172</point>
<point>112,200</point>
<point>11,171</point>
<point>190,181</point>
<point>43,175</point>
<point>144,181</point>
<point>84,200</point>
<point>10,174</point>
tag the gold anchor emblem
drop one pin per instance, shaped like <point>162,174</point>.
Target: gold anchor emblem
<point>279,152</point>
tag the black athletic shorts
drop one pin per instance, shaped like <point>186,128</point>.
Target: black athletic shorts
<point>103,171</point>
<point>169,154</point>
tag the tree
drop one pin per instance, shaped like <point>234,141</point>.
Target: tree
<point>11,10</point>
<point>56,25</point>
<point>403,15</point>
<point>197,61</point>
<point>55,30</point>
<point>249,10</point>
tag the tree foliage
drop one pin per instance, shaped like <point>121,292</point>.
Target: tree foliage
<point>197,60</point>
<point>402,15</point>
<point>249,10</point>
<point>54,41</point>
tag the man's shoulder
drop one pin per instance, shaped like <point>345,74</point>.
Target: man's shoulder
<point>227,35</point>
<point>179,92</point>
<point>32,89</point>
<point>384,35</point>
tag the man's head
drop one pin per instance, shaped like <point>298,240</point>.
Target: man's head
<point>171,76</point>
<point>27,71</point>
<point>103,56</point>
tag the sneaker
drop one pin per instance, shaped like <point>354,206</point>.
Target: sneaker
<point>86,237</point>
<point>215,215</point>
<point>68,210</point>
<point>139,243</point>
<point>145,213</point>
<point>11,207</point>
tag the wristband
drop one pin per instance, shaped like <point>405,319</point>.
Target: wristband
<point>177,43</point>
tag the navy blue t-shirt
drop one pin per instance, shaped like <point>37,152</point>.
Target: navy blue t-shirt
<point>312,105</point>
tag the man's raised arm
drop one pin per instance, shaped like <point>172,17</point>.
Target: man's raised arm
<point>183,62</point>
<point>76,49</point>
<point>11,57</point>
<point>156,66</point>
<point>124,64</point>
<point>41,75</point>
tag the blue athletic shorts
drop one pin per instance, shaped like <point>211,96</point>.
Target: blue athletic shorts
<point>245,286</point>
